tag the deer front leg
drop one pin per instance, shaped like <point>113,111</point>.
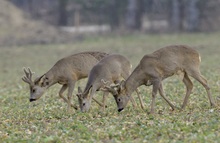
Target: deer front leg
<point>156,85</point>
<point>105,94</point>
<point>140,99</point>
<point>63,88</point>
<point>71,85</point>
<point>133,101</point>
<point>100,104</point>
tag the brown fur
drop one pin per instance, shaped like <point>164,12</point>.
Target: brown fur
<point>65,72</point>
<point>112,69</point>
<point>159,65</point>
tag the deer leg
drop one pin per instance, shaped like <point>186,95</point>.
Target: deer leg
<point>71,85</point>
<point>156,85</point>
<point>133,101</point>
<point>203,81</point>
<point>104,100</point>
<point>189,86</point>
<point>63,88</point>
<point>125,75</point>
<point>100,104</point>
<point>162,94</point>
<point>140,99</point>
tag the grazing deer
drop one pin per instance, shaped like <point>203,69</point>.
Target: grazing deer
<point>155,67</point>
<point>65,72</point>
<point>111,68</point>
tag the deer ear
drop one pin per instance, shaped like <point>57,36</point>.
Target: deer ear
<point>79,94</point>
<point>39,80</point>
<point>122,85</point>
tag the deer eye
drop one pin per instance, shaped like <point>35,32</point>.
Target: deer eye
<point>33,90</point>
<point>84,104</point>
<point>119,99</point>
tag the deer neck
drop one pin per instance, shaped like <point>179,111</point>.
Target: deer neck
<point>134,80</point>
<point>131,85</point>
<point>52,78</point>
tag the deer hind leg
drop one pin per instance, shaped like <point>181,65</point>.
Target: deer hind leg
<point>63,88</point>
<point>189,86</point>
<point>197,75</point>
<point>162,94</point>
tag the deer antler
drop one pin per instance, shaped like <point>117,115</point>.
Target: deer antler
<point>110,88</point>
<point>28,76</point>
<point>79,94</point>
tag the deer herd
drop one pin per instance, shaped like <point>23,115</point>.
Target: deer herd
<point>112,73</point>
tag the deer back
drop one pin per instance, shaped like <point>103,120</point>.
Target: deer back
<point>111,68</point>
<point>170,60</point>
<point>73,67</point>
<point>76,66</point>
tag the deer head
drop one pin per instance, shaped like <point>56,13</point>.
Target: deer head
<point>37,88</point>
<point>119,93</point>
<point>84,101</point>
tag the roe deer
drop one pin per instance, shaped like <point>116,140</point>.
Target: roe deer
<point>65,72</point>
<point>111,68</point>
<point>161,64</point>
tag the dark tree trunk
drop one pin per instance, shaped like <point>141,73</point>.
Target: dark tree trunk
<point>114,14</point>
<point>192,18</point>
<point>177,15</point>
<point>63,17</point>
<point>134,14</point>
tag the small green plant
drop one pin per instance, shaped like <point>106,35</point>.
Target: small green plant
<point>47,120</point>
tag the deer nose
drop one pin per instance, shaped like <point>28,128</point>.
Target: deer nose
<point>32,100</point>
<point>119,110</point>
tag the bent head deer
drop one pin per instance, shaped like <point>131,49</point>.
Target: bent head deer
<point>161,64</point>
<point>112,68</point>
<point>66,72</point>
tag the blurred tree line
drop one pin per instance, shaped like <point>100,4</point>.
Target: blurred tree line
<point>152,15</point>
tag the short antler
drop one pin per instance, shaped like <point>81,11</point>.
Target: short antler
<point>110,88</point>
<point>28,76</point>
<point>79,94</point>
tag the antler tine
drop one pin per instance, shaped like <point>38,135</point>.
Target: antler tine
<point>110,88</point>
<point>30,72</point>
<point>28,76</point>
<point>26,73</point>
<point>24,79</point>
<point>105,82</point>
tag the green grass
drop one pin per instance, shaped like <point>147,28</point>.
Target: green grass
<point>47,120</point>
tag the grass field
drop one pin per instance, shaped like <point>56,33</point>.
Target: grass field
<point>47,120</point>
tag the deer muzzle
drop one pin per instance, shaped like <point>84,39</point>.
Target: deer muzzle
<point>31,100</point>
<point>120,109</point>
